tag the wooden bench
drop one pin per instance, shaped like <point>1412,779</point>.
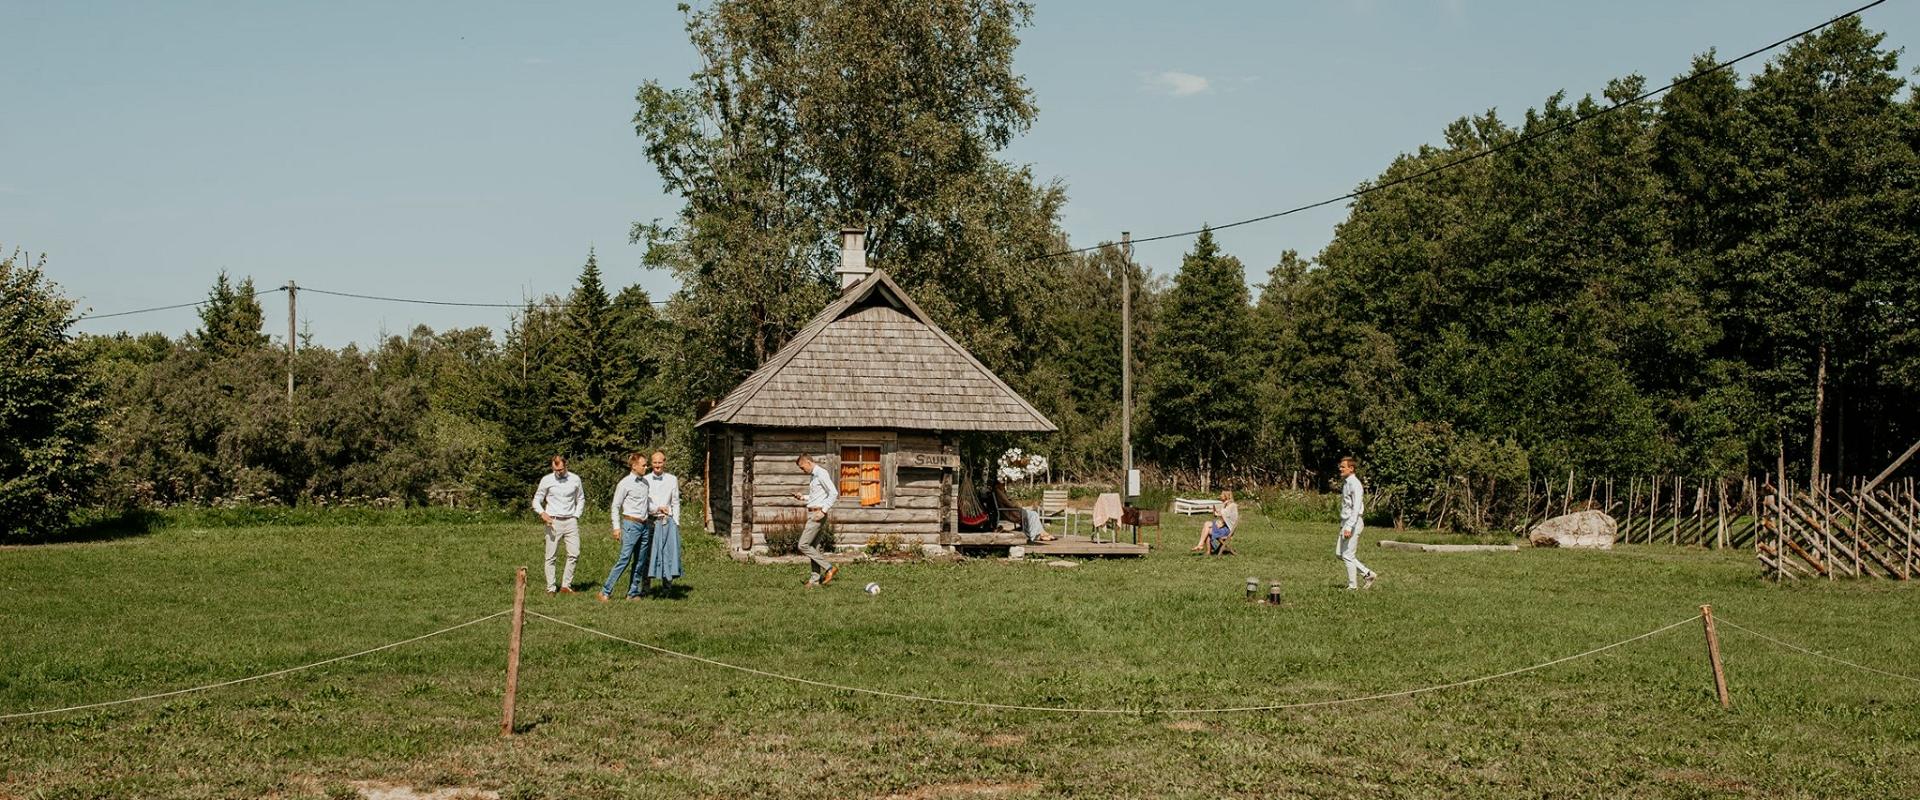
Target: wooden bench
<point>1190,507</point>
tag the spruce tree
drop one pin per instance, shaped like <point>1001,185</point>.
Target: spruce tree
<point>1199,387</point>
<point>231,320</point>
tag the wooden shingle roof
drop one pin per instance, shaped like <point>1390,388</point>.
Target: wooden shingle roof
<point>872,359</point>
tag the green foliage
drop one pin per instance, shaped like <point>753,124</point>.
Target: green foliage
<point>806,116</point>
<point>50,405</point>
<point>1076,380</point>
<point>230,320</point>
<point>1428,474</point>
<point>1200,387</point>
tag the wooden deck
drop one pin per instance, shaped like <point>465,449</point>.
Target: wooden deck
<point>1074,545</point>
<point>1085,546</point>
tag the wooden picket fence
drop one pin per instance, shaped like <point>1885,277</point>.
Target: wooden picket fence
<point>1677,510</point>
<point>1847,531</point>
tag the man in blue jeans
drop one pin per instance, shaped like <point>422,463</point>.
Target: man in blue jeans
<point>632,529</point>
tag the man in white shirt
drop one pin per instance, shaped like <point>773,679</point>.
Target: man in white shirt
<point>631,514</point>
<point>663,502</point>
<point>559,500</point>
<point>818,497</point>
<point>1353,508</point>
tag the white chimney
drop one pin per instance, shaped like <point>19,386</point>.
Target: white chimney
<point>853,257</point>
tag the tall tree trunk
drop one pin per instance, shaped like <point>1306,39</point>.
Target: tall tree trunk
<point>1819,413</point>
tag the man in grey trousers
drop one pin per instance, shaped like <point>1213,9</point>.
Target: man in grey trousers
<point>559,500</point>
<point>819,497</point>
<point>1353,507</point>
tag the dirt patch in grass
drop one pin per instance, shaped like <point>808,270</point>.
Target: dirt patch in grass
<point>1705,779</point>
<point>1188,725</point>
<point>943,791</point>
<point>1004,740</point>
<point>381,790</point>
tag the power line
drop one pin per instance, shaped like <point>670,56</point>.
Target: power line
<point>194,304</point>
<point>548,304</point>
<point>1562,127</point>
<point>417,301</point>
<point>354,295</point>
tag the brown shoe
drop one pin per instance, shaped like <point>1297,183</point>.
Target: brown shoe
<point>566,590</point>
<point>604,598</point>
<point>831,571</point>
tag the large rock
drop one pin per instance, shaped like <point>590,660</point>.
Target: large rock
<point>1593,530</point>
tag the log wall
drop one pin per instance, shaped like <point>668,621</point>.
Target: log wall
<point>921,508</point>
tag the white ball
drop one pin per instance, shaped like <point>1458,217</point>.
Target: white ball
<point>873,588</point>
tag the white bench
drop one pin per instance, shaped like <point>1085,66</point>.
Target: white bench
<point>1190,507</point>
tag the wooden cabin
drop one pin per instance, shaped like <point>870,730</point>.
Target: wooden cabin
<point>877,394</point>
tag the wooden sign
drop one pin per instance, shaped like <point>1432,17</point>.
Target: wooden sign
<point>929,460</point>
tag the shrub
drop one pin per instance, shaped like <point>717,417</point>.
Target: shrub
<point>49,407</point>
<point>783,535</point>
<point>887,545</point>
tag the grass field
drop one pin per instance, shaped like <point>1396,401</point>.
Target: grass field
<point>181,607</point>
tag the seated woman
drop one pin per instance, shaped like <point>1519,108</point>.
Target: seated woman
<point>1213,535</point>
<point>1028,519</point>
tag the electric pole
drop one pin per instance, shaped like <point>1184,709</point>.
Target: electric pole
<point>1126,365</point>
<point>291,340</point>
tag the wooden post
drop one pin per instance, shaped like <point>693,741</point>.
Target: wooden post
<point>1126,366</point>
<point>1673,536</point>
<point>292,318</point>
<point>1653,505</point>
<point>513,650</point>
<point>1713,657</point>
<point>1720,508</point>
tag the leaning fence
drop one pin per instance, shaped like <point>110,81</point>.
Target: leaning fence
<point>1829,528</point>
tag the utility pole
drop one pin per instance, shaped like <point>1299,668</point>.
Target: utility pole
<point>1126,365</point>
<point>291,320</point>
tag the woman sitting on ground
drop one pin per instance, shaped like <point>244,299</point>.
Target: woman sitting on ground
<point>1213,535</point>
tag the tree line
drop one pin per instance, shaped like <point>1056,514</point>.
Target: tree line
<point>1716,283</point>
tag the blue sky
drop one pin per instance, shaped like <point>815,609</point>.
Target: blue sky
<point>475,151</point>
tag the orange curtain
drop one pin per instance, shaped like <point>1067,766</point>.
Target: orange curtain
<point>870,484</point>
<point>849,475</point>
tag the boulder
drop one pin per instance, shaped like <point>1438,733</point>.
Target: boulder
<point>1592,530</point>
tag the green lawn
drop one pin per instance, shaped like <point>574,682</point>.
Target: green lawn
<point>98,621</point>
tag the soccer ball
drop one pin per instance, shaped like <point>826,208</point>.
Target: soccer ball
<point>873,588</point>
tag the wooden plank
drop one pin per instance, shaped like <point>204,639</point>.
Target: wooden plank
<point>991,539</point>
<point>1081,546</point>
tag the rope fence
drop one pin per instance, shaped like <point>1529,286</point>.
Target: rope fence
<point>1112,711</point>
<point>519,612</point>
<point>251,678</point>
<point>1815,653</point>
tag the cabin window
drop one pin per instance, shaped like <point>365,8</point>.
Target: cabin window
<point>860,474</point>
